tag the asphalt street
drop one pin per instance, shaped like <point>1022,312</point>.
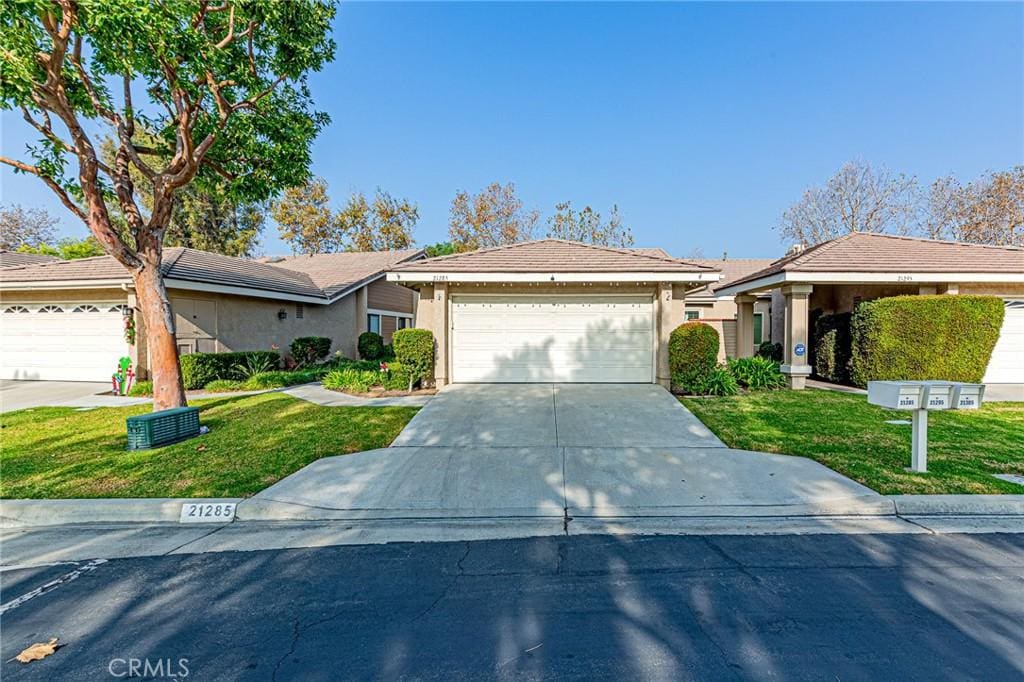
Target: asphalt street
<point>835,607</point>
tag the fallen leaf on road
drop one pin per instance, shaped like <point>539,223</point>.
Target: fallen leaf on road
<point>37,651</point>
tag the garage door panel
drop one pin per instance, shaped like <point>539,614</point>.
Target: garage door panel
<point>1007,363</point>
<point>552,339</point>
<point>67,346</point>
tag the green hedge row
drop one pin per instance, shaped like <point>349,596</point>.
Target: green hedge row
<point>833,347</point>
<point>199,369</point>
<point>924,337</point>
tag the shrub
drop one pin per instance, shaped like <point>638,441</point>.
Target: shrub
<point>308,350</point>
<point>141,389</point>
<point>832,347</point>
<point>253,365</point>
<point>371,346</point>
<point>265,380</point>
<point>692,355</point>
<point>719,381</point>
<point>356,380</point>
<point>925,337</point>
<point>770,351</point>
<point>414,348</point>
<point>199,369</point>
<point>224,386</point>
<point>756,373</point>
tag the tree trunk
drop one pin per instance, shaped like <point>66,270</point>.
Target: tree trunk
<point>161,344</point>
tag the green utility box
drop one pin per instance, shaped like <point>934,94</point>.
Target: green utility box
<point>162,428</point>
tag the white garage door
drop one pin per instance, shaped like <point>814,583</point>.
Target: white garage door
<point>61,341</point>
<point>579,339</point>
<point>1007,363</point>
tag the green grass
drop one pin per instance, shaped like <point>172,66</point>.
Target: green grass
<point>254,441</point>
<point>845,433</point>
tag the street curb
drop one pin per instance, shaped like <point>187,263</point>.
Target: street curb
<point>959,505</point>
<point>22,513</point>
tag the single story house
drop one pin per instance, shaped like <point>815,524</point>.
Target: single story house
<point>552,311</point>
<point>705,306</point>
<point>66,320</point>
<point>832,277</point>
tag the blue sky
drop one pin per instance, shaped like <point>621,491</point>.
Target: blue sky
<point>703,122</point>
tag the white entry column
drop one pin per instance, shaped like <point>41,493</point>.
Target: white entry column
<point>795,365</point>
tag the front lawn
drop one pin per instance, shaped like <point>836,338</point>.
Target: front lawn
<point>845,433</point>
<point>254,441</point>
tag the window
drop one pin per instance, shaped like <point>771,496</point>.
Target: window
<point>86,309</point>
<point>16,309</point>
<point>758,329</point>
<point>403,322</point>
<point>300,310</point>
<point>373,323</point>
<point>692,315</point>
<point>51,309</point>
<point>123,309</point>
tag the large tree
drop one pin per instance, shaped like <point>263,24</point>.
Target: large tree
<point>305,219</point>
<point>858,198</point>
<point>25,227</point>
<point>989,210</point>
<point>587,226</point>
<point>385,224</point>
<point>222,84</point>
<point>493,217</point>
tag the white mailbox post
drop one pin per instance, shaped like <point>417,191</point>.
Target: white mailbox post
<point>920,397</point>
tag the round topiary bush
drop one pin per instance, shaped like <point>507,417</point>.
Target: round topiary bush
<point>371,346</point>
<point>692,355</point>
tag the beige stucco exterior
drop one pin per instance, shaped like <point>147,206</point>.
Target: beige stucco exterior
<point>722,313</point>
<point>217,322</point>
<point>433,313</point>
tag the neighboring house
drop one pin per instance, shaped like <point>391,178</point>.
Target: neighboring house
<point>720,311</point>
<point>552,311</point>
<point>65,320</point>
<point>13,259</point>
<point>834,276</point>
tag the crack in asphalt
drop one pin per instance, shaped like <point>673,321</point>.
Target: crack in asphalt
<point>448,588</point>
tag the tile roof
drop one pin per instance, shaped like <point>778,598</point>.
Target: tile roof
<point>325,276</point>
<point>732,269</point>
<point>554,255</point>
<point>883,253</point>
<point>13,259</point>
<point>337,272</point>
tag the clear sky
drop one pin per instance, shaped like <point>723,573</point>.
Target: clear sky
<point>703,122</point>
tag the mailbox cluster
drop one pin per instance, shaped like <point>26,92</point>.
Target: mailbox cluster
<point>920,397</point>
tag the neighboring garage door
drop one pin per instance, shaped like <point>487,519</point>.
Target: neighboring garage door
<point>1007,363</point>
<point>530,339</point>
<point>61,341</point>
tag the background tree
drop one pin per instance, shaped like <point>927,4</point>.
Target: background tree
<point>493,217</point>
<point>384,225</point>
<point>207,219</point>
<point>306,221</point>
<point>588,227</point>
<point>440,249</point>
<point>989,210</point>
<point>25,227</point>
<point>67,248</point>
<point>858,198</point>
<point>223,84</point>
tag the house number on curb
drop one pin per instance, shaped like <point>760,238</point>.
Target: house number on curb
<point>207,512</point>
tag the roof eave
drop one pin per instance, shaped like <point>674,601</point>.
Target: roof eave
<point>852,277</point>
<point>416,277</point>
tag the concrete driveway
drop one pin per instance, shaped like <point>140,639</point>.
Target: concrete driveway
<point>18,395</point>
<point>502,450</point>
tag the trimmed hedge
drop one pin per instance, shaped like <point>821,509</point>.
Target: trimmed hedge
<point>692,355</point>
<point>833,347</point>
<point>350,378</point>
<point>199,369</point>
<point>925,337</point>
<point>371,346</point>
<point>307,350</point>
<point>414,348</point>
<point>770,351</point>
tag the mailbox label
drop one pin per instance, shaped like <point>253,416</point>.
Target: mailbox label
<point>968,402</point>
<point>907,401</point>
<point>938,402</point>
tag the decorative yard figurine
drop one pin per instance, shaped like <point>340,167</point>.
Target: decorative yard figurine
<point>129,328</point>
<point>122,378</point>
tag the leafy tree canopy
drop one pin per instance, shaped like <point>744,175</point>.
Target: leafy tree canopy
<point>68,248</point>
<point>25,227</point>
<point>587,226</point>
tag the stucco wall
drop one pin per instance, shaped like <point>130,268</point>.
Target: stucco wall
<point>245,323</point>
<point>721,314</point>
